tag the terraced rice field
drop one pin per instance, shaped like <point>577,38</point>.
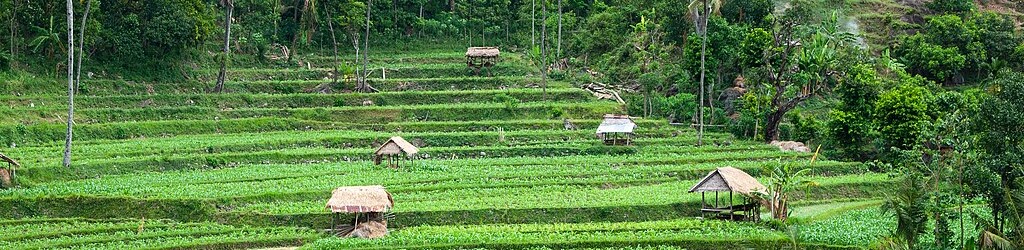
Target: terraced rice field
<point>166,165</point>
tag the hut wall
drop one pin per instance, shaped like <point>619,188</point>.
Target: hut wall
<point>389,149</point>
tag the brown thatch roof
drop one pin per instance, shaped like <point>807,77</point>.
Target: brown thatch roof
<point>9,160</point>
<point>616,124</point>
<point>482,52</point>
<point>397,145</point>
<point>729,179</point>
<point>360,199</point>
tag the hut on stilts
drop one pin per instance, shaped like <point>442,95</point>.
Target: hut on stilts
<point>616,130</point>
<point>392,149</point>
<point>369,204</point>
<point>8,173</point>
<point>731,180</point>
<point>482,57</point>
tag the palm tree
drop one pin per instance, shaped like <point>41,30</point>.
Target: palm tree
<point>700,18</point>
<point>229,9</point>
<point>908,204</point>
<point>71,82</point>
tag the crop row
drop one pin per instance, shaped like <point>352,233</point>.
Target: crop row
<point>124,87</point>
<point>686,233</point>
<point>598,203</point>
<point>248,142</point>
<point>375,72</point>
<point>90,168</point>
<point>370,114</point>
<point>50,133</point>
<point>495,187</point>
<point>362,173</point>
<point>304,100</point>
<point>136,234</point>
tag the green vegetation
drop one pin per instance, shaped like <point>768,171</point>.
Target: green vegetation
<point>911,112</point>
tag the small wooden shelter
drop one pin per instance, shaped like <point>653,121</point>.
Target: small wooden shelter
<point>732,180</point>
<point>481,57</point>
<point>616,130</point>
<point>392,149</point>
<point>7,174</point>
<point>373,201</point>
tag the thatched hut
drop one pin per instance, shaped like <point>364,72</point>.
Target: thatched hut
<point>8,173</point>
<point>732,180</point>
<point>480,57</point>
<point>616,130</point>
<point>373,201</point>
<point>394,147</point>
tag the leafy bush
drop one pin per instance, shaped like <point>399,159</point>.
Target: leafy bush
<point>951,6</point>
<point>903,115</point>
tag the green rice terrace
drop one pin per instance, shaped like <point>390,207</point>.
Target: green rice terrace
<point>512,124</point>
<point>254,168</point>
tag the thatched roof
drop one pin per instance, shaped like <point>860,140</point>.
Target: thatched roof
<point>9,160</point>
<point>397,145</point>
<point>482,52</point>
<point>616,124</point>
<point>360,199</point>
<point>729,179</point>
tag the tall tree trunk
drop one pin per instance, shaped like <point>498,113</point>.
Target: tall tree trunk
<point>14,31</point>
<point>334,43</point>
<point>533,25</point>
<point>558,54</point>
<point>771,125</point>
<point>419,32</point>
<point>81,45</point>
<point>366,48</point>
<point>355,44</point>
<point>703,52</point>
<point>543,48</point>
<point>277,25</point>
<point>229,7</point>
<point>71,82</point>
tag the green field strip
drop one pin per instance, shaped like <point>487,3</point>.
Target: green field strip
<point>226,183</point>
<point>685,232</point>
<point>384,71</point>
<point>303,100</point>
<point>283,86</point>
<point>161,235</point>
<point>169,185</point>
<point>52,230</point>
<point>90,168</point>
<point>245,142</point>
<point>54,133</point>
<point>114,236</point>
<point>823,211</point>
<point>427,112</point>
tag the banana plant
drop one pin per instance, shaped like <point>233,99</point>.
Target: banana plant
<point>47,37</point>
